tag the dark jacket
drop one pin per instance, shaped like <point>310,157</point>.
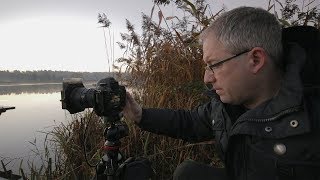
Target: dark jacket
<point>279,139</point>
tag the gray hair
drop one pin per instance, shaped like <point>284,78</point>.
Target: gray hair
<point>244,28</point>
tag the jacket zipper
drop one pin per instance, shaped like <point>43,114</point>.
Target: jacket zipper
<point>275,117</point>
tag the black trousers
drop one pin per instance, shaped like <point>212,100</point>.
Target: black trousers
<point>197,171</point>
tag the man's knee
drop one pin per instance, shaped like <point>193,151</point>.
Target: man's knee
<point>194,170</point>
<point>184,170</point>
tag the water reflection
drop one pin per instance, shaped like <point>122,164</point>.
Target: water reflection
<point>41,88</point>
<point>38,108</point>
<point>30,88</point>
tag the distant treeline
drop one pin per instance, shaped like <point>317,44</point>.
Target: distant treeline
<point>48,76</point>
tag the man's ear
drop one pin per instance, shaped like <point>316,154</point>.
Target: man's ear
<point>257,59</point>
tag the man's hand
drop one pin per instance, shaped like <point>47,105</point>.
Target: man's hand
<point>132,110</point>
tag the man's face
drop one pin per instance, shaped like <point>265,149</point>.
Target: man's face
<point>229,79</point>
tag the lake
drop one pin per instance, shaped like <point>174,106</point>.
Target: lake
<point>38,109</point>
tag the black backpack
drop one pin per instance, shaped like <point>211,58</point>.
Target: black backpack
<point>308,38</point>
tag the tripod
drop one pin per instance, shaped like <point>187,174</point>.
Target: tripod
<point>109,164</point>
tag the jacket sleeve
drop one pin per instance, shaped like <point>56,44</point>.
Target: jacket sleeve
<point>189,125</point>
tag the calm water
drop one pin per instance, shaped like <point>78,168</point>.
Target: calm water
<point>38,109</point>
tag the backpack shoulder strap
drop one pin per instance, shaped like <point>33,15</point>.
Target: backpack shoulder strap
<point>309,39</point>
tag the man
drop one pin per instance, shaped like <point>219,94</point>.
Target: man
<point>257,115</point>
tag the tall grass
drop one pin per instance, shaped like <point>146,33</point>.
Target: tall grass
<point>78,142</point>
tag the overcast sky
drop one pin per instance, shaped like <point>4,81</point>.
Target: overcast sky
<point>64,34</point>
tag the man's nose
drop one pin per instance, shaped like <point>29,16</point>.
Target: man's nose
<point>209,77</point>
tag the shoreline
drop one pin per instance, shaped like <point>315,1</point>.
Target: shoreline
<point>26,84</point>
<point>39,84</point>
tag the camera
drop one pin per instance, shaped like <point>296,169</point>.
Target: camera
<point>107,99</point>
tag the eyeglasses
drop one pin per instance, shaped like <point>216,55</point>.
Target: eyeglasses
<point>215,66</point>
